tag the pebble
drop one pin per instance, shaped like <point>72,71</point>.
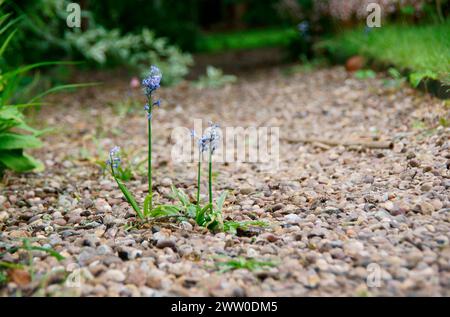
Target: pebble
<point>3,216</point>
<point>166,243</point>
<point>114,275</point>
<point>292,218</point>
<point>166,182</point>
<point>246,190</point>
<point>331,211</point>
<point>102,205</point>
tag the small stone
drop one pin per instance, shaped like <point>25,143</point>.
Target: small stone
<point>74,220</point>
<point>114,275</point>
<point>426,187</point>
<point>2,200</point>
<point>60,222</point>
<point>166,243</point>
<point>4,216</point>
<point>126,253</point>
<point>246,190</point>
<point>136,277</point>
<point>18,234</point>
<point>292,218</point>
<point>353,247</point>
<point>277,207</point>
<point>414,163</point>
<point>87,256</point>
<point>104,249</point>
<point>12,199</point>
<point>424,207</point>
<point>102,205</point>
<point>108,220</point>
<point>87,203</point>
<point>442,240</point>
<point>186,226</point>
<point>166,182</point>
<point>368,179</point>
<point>271,238</point>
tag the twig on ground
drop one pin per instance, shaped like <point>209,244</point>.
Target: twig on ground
<point>328,142</point>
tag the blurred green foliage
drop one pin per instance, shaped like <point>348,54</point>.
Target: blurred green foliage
<point>424,50</point>
<point>46,35</point>
<point>217,42</point>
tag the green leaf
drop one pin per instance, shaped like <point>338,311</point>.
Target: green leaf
<point>416,77</point>
<point>129,197</point>
<point>147,204</point>
<point>165,211</point>
<point>184,199</point>
<point>51,252</point>
<point>62,87</point>
<point>221,200</point>
<point>200,217</point>
<point>394,73</point>
<point>17,161</point>
<point>11,141</point>
<point>6,42</point>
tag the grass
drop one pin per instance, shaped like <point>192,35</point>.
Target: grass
<point>251,39</point>
<point>419,49</point>
<point>243,263</point>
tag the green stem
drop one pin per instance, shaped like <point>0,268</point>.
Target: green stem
<point>199,171</point>
<point>150,189</point>
<point>210,180</point>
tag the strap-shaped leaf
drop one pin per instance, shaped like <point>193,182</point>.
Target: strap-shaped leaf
<point>221,200</point>
<point>147,207</point>
<point>129,197</point>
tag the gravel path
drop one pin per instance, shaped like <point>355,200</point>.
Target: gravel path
<point>344,219</point>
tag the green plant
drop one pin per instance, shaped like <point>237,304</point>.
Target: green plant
<point>445,122</point>
<point>243,263</point>
<point>28,248</point>
<point>415,78</point>
<point>45,33</point>
<point>365,74</point>
<point>210,215</point>
<point>250,39</point>
<point>214,78</point>
<point>233,226</point>
<point>422,50</point>
<point>16,136</point>
<point>109,47</point>
<point>151,83</point>
<point>396,79</point>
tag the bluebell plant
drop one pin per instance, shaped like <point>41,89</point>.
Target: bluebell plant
<point>208,216</point>
<point>150,84</point>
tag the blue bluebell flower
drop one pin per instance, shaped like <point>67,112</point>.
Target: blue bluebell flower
<point>210,140</point>
<point>303,27</point>
<point>203,143</point>
<point>153,81</point>
<point>114,159</point>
